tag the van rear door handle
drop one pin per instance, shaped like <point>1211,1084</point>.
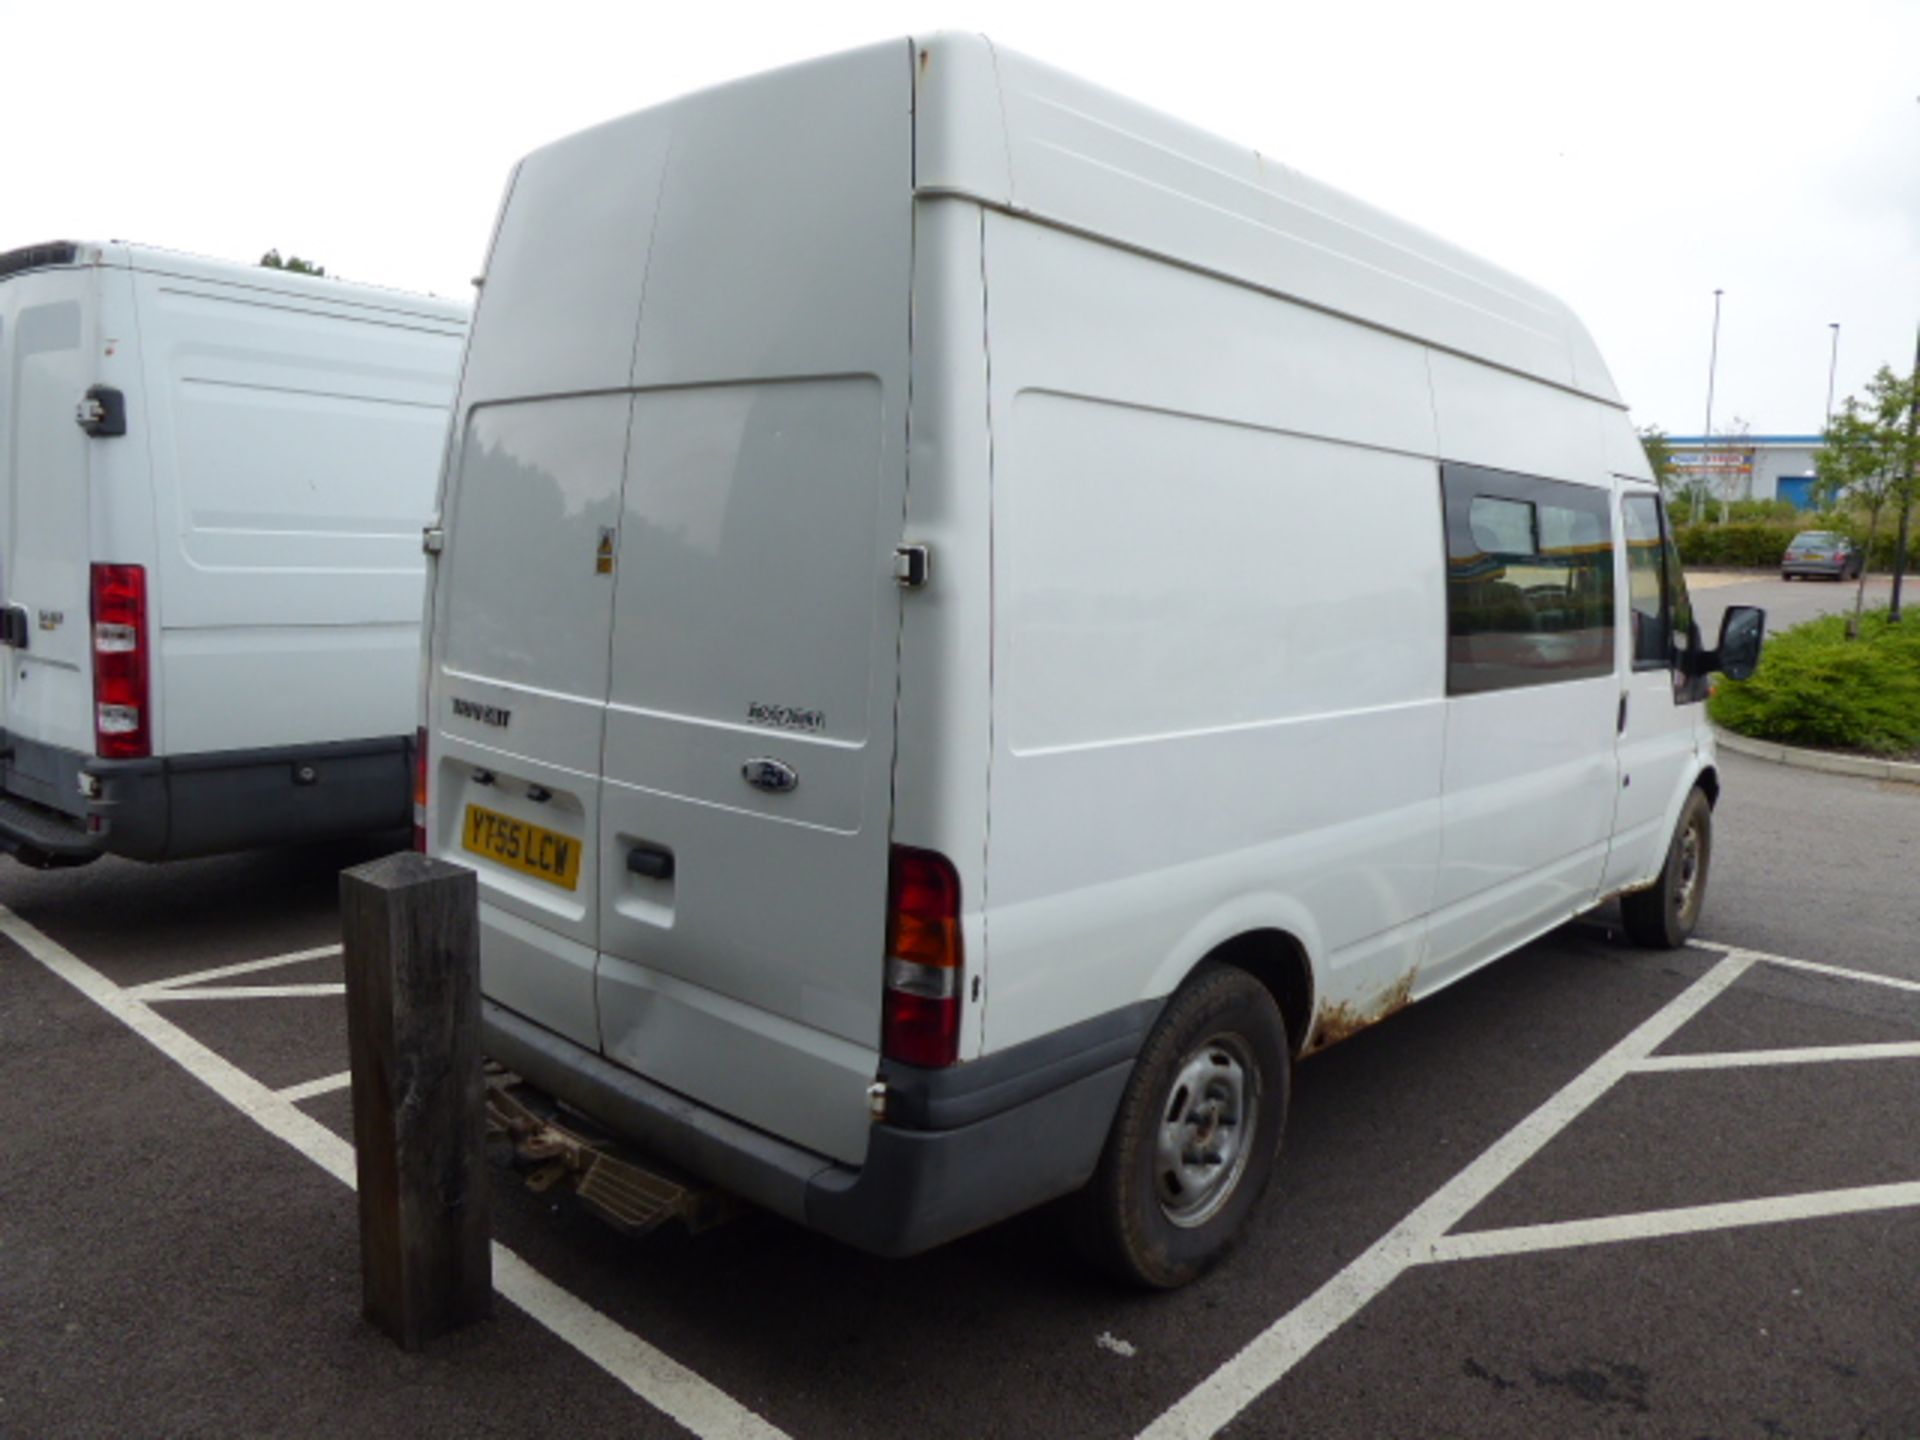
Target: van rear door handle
<point>651,861</point>
<point>1620,726</point>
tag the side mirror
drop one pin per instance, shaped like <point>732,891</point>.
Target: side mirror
<point>1741,630</point>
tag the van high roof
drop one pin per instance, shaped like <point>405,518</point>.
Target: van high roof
<point>151,259</point>
<point>1011,132</point>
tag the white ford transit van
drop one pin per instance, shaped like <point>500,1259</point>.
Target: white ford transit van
<point>212,483</point>
<point>977,623</point>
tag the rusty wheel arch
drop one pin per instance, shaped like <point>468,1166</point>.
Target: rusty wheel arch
<point>1279,962</point>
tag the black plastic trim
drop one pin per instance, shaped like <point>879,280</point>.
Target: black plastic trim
<point>978,1089</point>
<point>179,806</point>
<point>651,861</point>
<point>38,257</point>
<point>112,419</point>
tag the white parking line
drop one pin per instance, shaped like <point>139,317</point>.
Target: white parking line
<point>655,1377</point>
<point>1841,972</point>
<point>1425,1236</point>
<point>1796,1055</point>
<point>1687,1220</point>
<point>223,972</point>
<point>1286,1342</point>
<point>307,1089</point>
<point>242,992</point>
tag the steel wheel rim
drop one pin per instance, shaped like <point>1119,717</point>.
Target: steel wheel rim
<point>1686,887</point>
<point>1205,1134</point>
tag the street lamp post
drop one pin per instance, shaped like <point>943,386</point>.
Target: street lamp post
<point>1833,365</point>
<point>1906,510</point>
<point>1713,363</point>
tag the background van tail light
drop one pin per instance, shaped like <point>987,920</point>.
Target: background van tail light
<point>420,789</point>
<point>122,712</point>
<point>920,1022</point>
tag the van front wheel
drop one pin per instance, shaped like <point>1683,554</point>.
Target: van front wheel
<point>1662,916</point>
<point>1194,1142</point>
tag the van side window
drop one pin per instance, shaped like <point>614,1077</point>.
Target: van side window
<point>1529,580</point>
<point>1647,582</point>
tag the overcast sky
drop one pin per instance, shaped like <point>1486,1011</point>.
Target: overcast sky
<point>1629,156</point>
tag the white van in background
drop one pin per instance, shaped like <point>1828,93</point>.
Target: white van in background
<point>978,622</point>
<point>213,479</point>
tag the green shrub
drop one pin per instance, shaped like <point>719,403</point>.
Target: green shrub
<point>1750,543</point>
<point>1816,687</point>
<point>1776,510</point>
<point>1759,544</point>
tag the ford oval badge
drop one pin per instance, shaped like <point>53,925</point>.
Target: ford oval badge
<point>773,776</point>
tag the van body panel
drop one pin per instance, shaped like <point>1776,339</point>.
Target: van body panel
<point>1192,663</point>
<point>275,468</point>
<point>197,670</point>
<point>747,462</point>
<point>1078,155</point>
<point>757,617</point>
<point>944,744</point>
<point>520,712</point>
<point>1661,735</point>
<point>47,336</point>
<point>1178,484</point>
<point>1529,774</point>
<point>561,294</point>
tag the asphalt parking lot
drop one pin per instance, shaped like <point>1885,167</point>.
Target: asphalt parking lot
<point>1590,1191</point>
<point>1787,602</point>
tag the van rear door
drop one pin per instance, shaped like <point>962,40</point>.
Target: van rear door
<point>46,344</point>
<point>523,602</point>
<point>749,741</point>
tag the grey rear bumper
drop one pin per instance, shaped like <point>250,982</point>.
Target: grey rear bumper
<point>1027,1126</point>
<point>68,805</point>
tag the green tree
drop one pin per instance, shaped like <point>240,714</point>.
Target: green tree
<point>272,261</point>
<point>1869,459</point>
<point>1654,441</point>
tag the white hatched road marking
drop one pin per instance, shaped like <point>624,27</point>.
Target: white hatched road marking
<point>1423,1236</point>
<point>325,1085</point>
<point>224,972</point>
<point>1797,1055</point>
<point>1839,972</point>
<point>1687,1220</point>
<point>655,1377</point>
<point>243,992</point>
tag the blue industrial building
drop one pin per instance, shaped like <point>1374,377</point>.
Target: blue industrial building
<point>1748,467</point>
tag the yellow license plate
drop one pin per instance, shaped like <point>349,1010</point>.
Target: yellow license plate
<point>531,849</point>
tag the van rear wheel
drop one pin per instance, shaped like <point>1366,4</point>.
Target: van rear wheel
<point>1194,1142</point>
<point>1662,916</point>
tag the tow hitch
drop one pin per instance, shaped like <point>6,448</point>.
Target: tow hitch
<point>630,1194</point>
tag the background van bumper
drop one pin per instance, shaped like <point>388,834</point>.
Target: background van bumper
<point>179,806</point>
<point>1029,1127</point>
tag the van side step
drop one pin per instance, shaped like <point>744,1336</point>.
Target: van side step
<point>630,1193</point>
<point>44,838</point>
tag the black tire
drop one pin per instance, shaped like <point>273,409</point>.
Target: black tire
<point>1159,1222</point>
<point>1662,916</point>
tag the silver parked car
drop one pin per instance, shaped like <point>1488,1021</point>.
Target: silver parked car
<point>1822,552</point>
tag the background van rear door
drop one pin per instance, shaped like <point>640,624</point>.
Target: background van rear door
<point>46,343</point>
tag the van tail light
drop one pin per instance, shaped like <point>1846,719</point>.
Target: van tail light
<point>122,712</point>
<point>920,1022</point>
<point>420,790</point>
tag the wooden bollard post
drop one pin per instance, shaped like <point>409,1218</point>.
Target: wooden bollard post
<point>410,928</point>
